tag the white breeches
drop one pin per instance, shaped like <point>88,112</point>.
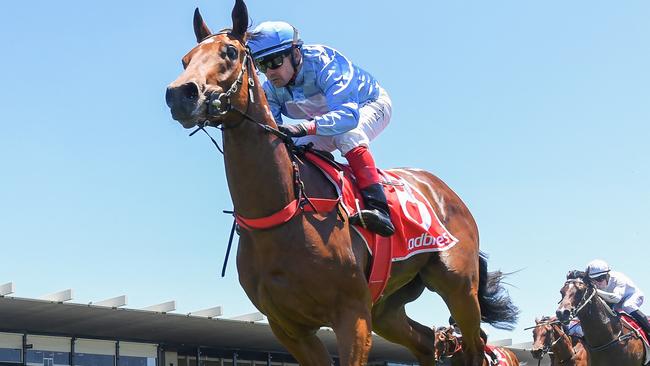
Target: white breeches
<point>373,118</point>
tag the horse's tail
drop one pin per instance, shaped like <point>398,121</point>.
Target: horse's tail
<point>497,308</point>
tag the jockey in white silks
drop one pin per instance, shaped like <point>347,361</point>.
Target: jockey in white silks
<point>618,290</point>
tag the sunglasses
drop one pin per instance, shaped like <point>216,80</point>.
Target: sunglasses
<point>600,278</point>
<point>270,62</point>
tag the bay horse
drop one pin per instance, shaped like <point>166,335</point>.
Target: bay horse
<point>549,337</point>
<point>607,339</point>
<point>311,271</point>
<point>448,346</point>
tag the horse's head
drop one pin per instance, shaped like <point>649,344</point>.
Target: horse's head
<point>576,293</point>
<point>214,73</point>
<point>542,337</point>
<point>446,343</point>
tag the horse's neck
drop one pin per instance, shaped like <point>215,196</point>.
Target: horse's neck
<point>598,324</point>
<point>258,168</point>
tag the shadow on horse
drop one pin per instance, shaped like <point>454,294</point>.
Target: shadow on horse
<point>550,338</point>
<point>448,347</point>
<point>312,270</point>
<point>607,339</point>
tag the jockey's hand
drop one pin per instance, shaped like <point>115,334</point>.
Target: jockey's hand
<point>299,130</point>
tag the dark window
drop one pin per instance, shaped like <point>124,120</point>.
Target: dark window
<point>42,357</point>
<point>89,359</point>
<point>61,358</point>
<point>34,356</point>
<point>10,355</point>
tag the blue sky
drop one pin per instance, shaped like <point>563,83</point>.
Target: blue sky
<point>535,113</point>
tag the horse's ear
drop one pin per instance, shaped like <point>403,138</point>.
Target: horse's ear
<point>239,19</point>
<point>201,30</point>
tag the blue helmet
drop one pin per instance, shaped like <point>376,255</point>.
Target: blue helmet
<point>272,37</point>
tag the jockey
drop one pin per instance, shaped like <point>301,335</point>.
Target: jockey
<point>343,106</point>
<point>617,289</point>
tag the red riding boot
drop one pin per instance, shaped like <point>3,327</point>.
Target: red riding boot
<point>376,216</point>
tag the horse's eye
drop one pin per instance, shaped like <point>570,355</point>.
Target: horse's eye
<point>231,52</point>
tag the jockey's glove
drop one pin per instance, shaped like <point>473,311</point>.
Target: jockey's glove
<point>298,130</point>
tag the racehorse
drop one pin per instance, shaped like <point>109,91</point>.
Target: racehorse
<point>448,346</point>
<point>311,270</point>
<point>549,337</point>
<point>607,339</point>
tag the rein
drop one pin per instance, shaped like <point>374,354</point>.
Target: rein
<point>220,104</point>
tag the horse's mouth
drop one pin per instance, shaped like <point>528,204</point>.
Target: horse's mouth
<point>186,123</point>
<point>537,352</point>
<point>204,121</point>
<point>190,120</point>
<point>187,106</point>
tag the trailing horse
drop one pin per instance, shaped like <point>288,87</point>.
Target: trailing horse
<point>448,346</point>
<point>607,338</point>
<point>311,270</point>
<point>550,338</point>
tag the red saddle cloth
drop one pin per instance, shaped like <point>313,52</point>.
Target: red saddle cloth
<point>417,227</point>
<point>502,358</point>
<point>633,323</point>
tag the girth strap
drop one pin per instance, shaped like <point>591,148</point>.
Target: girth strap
<point>288,212</point>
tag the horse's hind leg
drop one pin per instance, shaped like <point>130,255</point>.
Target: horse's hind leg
<point>458,287</point>
<point>305,347</point>
<point>391,322</point>
<point>465,309</point>
<point>353,333</point>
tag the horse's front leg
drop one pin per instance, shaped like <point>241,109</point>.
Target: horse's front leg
<point>353,328</point>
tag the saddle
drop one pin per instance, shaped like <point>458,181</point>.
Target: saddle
<point>417,227</point>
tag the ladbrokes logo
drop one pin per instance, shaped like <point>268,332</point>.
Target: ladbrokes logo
<point>426,240</point>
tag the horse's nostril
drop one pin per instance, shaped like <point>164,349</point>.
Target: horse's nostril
<point>563,315</point>
<point>178,96</point>
<point>189,91</point>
